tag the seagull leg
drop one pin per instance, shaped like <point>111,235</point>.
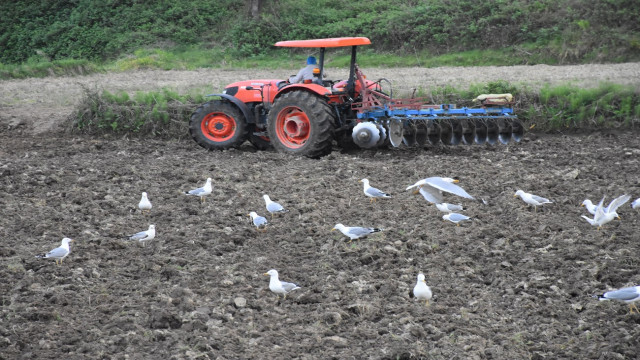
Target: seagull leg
<point>426,302</point>
<point>633,306</point>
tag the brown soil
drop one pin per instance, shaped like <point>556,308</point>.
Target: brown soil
<point>512,284</point>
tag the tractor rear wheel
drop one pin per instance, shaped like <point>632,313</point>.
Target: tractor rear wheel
<point>301,123</point>
<point>218,125</point>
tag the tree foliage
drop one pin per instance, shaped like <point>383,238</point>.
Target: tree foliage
<point>568,30</point>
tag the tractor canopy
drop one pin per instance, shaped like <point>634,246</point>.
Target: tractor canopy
<point>354,42</point>
<point>325,43</point>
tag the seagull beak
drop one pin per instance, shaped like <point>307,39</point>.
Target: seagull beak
<point>265,274</point>
<point>333,229</point>
<point>455,181</point>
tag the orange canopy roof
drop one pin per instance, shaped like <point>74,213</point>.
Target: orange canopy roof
<point>332,42</point>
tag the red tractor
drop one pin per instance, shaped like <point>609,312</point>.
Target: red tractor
<point>305,119</point>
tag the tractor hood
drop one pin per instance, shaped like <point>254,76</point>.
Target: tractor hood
<point>254,83</point>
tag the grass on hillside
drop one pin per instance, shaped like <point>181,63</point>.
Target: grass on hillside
<point>191,58</point>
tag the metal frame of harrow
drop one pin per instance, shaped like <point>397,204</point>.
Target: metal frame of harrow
<point>414,121</point>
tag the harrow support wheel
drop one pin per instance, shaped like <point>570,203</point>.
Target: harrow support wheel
<point>301,123</point>
<point>218,125</point>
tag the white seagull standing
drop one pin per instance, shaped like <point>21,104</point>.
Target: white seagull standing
<point>58,253</point>
<point>144,204</point>
<point>355,232</point>
<point>531,199</point>
<point>421,291</point>
<point>431,189</point>
<point>144,236</point>
<point>280,287</point>
<point>260,222</point>
<point>455,218</point>
<point>372,192</point>
<point>273,207</point>
<point>449,208</point>
<point>628,295</point>
<point>201,192</point>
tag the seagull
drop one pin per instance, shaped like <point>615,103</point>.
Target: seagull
<point>280,287</point>
<point>273,207</point>
<point>449,208</point>
<point>144,236</point>
<point>616,203</point>
<point>421,291</point>
<point>431,189</point>
<point>455,218</point>
<point>259,221</point>
<point>604,215</point>
<point>355,232</point>
<point>531,199</point>
<point>58,253</point>
<point>628,295</point>
<point>635,204</point>
<point>372,192</point>
<point>201,192</point>
<point>591,207</point>
<point>144,204</point>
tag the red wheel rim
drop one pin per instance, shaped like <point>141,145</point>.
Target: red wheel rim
<point>293,127</point>
<point>218,126</point>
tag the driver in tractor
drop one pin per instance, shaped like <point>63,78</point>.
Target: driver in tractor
<point>308,74</point>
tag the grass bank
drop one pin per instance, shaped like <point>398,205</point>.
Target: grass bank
<point>166,113</point>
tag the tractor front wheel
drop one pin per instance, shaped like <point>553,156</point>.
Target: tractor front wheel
<point>218,125</point>
<point>301,123</point>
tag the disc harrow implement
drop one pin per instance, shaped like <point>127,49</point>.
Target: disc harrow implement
<point>411,124</point>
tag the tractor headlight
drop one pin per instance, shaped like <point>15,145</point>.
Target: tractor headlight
<point>231,90</point>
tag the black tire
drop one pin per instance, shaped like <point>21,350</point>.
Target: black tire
<point>259,142</point>
<point>301,123</point>
<point>218,125</point>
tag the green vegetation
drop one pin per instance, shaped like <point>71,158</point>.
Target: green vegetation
<point>162,114</point>
<point>193,33</point>
<point>41,38</point>
<point>166,114</point>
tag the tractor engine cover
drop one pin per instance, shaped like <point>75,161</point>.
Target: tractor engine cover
<point>366,135</point>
